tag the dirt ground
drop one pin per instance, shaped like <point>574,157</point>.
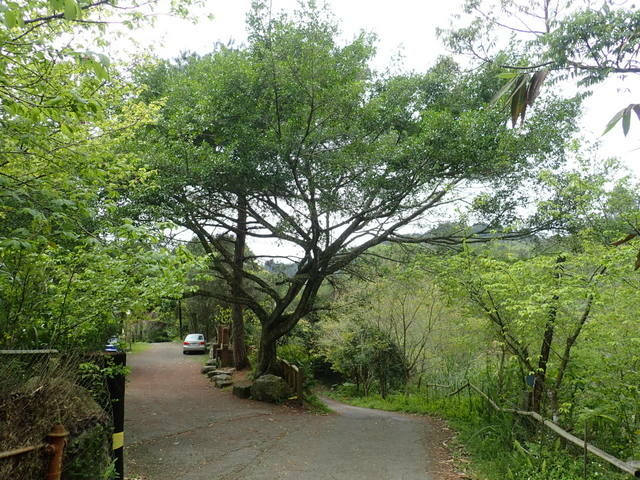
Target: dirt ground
<point>178,425</point>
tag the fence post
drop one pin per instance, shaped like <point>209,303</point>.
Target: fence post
<point>57,440</point>
<point>586,458</point>
<point>299,384</point>
<point>116,386</point>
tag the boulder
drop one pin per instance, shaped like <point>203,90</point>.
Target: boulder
<point>270,388</point>
<point>207,369</point>
<point>242,389</point>
<point>212,363</point>
<point>222,380</point>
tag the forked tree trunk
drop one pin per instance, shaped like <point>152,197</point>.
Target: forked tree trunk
<point>240,359</point>
<point>267,359</point>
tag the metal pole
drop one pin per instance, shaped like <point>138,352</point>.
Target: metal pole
<point>116,385</point>
<point>57,440</point>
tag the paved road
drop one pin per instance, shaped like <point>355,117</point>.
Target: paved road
<point>179,426</point>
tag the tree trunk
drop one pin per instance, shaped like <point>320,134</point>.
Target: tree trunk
<point>237,310</point>
<point>267,360</point>
<point>545,349</point>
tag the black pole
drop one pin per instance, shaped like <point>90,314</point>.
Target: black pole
<point>116,385</point>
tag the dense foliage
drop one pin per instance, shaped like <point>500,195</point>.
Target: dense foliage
<point>416,239</point>
<point>69,269</point>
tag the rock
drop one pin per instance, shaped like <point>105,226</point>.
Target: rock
<point>242,389</point>
<point>222,380</point>
<point>270,388</point>
<point>207,369</point>
<point>220,371</point>
<point>212,363</point>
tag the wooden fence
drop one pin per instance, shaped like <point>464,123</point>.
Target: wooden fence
<point>294,376</point>
<point>631,468</point>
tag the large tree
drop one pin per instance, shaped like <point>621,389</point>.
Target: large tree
<point>294,139</point>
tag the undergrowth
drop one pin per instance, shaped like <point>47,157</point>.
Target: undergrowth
<point>500,446</point>
<point>315,405</point>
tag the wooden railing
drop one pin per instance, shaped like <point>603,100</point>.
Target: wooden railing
<point>631,468</point>
<point>294,376</point>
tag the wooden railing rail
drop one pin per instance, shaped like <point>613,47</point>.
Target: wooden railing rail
<point>631,468</point>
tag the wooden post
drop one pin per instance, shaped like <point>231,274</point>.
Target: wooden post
<point>300,384</point>
<point>586,460</point>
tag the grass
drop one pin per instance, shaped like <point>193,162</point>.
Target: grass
<point>500,446</point>
<point>316,406</point>
<point>137,347</point>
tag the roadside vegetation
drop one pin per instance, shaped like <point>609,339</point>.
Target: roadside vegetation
<point>433,227</point>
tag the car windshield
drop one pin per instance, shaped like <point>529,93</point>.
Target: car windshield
<point>193,337</point>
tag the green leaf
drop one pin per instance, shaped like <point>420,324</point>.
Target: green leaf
<point>519,100</point>
<point>100,70</point>
<point>56,4</point>
<point>612,123</point>
<point>507,86</point>
<point>626,120</point>
<point>71,9</point>
<point>507,75</point>
<point>10,18</point>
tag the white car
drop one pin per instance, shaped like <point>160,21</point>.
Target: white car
<point>194,342</point>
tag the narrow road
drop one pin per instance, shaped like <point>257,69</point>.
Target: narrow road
<point>179,426</point>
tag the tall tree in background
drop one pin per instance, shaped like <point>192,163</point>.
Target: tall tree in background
<point>294,139</point>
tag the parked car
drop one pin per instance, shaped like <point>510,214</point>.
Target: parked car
<point>194,342</point>
<point>112,345</point>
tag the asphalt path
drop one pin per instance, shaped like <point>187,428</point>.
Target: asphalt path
<point>178,425</point>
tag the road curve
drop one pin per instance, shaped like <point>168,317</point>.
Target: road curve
<point>179,426</point>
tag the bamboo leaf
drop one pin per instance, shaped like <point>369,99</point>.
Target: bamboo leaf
<point>612,123</point>
<point>626,120</point>
<point>506,87</point>
<point>537,80</point>
<point>519,101</point>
